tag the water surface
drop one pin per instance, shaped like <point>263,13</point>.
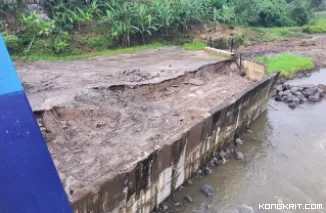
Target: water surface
<point>286,164</point>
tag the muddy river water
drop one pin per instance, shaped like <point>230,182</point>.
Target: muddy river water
<point>285,164</point>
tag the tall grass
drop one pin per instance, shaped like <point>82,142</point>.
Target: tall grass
<point>287,63</point>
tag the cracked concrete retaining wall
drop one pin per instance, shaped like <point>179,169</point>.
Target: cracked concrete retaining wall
<point>154,178</point>
<point>254,71</point>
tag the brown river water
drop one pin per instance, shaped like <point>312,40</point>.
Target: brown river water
<point>286,164</point>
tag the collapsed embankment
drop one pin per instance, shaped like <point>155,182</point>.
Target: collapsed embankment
<point>154,178</point>
<point>126,148</point>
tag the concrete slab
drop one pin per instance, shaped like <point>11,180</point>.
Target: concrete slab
<point>103,115</point>
<point>50,83</point>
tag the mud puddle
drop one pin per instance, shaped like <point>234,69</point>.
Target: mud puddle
<point>285,164</point>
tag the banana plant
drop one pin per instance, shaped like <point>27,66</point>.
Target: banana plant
<point>164,16</point>
<point>63,17</point>
<point>121,17</point>
<point>188,11</point>
<point>227,14</point>
<point>94,9</point>
<point>143,20</point>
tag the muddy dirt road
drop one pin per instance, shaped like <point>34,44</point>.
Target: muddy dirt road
<point>313,47</point>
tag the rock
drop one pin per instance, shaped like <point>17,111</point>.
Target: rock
<point>294,89</point>
<point>286,86</point>
<point>222,154</point>
<point>301,101</point>
<point>307,74</point>
<point>228,152</point>
<point>298,94</point>
<point>207,190</point>
<point>296,100</point>
<point>322,87</point>
<point>289,99</point>
<point>280,81</point>
<point>246,209</point>
<point>189,182</point>
<point>281,93</point>
<point>321,95</point>
<point>223,161</point>
<point>287,92</point>
<point>314,98</point>
<point>292,105</point>
<point>278,98</point>
<point>239,156</point>
<point>247,130</point>
<point>177,204</point>
<point>207,171</point>
<point>279,88</point>
<point>188,199</point>
<point>310,91</point>
<point>180,188</point>
<point>215,159</point>
<point>238,141</point>
<point>165,207</point>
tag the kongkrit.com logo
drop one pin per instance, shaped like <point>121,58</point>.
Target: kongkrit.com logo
<point>308,206</point>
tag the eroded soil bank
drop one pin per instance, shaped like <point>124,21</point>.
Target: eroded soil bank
<point>102,115</point>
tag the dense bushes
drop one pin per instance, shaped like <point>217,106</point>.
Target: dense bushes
<point>13,43</point>
<point>129,22</point>
<point>273,13</point>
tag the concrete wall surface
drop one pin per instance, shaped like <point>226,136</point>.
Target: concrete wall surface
<point>253,70</point>
<point>152,179</point>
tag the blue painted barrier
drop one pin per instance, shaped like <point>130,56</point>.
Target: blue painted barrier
<point>29,182</point>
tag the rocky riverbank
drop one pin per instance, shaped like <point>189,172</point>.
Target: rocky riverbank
<point>294,95</point>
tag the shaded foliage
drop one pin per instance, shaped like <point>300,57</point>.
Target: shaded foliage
<point>129,22</point>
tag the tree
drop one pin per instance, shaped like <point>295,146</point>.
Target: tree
<point>315,3</point>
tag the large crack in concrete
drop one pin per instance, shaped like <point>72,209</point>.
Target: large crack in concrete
<point>100,128</point>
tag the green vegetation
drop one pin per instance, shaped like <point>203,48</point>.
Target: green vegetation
<point>319,25</point>
<point>270,34</point>
<point>288,64</point>
<point>77,27</point>
<point>195,45</point>
<point>13,43</point>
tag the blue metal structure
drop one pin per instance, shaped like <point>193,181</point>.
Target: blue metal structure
<point>29,182</point>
